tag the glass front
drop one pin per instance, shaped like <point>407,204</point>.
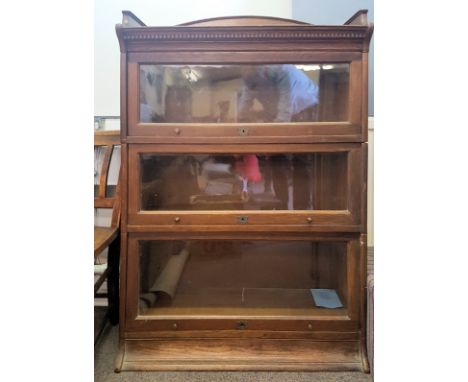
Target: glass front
<point>244,93</point>
<point>316,181</point>
<point>237,277</point>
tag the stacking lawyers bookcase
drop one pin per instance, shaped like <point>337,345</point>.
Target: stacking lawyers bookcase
<point>244,171</point>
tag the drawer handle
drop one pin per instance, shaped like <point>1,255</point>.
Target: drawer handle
<point>177,131</point>
<point>177,219</point>
<point>309,220</point>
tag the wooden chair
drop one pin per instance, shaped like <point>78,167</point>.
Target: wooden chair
<point>108,237</point>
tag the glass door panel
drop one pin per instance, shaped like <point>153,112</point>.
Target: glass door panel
<point>299,181</point>
<point>267,93</point>
<point>242,277</point>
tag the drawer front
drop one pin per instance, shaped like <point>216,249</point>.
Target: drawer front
<point>190,101</point>
<point>243,283</point>
<point>282,187</point>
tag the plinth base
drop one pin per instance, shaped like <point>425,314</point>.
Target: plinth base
<point>240,354</point>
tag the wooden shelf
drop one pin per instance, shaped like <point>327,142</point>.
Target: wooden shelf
<point>256,302</point>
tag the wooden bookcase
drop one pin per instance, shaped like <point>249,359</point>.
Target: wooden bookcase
<point>244,173</point>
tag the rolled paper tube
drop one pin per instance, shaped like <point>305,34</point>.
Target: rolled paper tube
<point>165,285</point>
<point>147,300</point>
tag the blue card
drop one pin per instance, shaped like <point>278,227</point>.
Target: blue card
<point>326,298</point>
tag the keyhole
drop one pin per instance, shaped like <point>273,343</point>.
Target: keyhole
<point>242,219</point>
<point>240,325</point>
<point>243,131</point>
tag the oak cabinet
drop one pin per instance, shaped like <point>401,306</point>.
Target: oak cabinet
<point>244,162</point>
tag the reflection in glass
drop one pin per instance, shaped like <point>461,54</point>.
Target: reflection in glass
<point>243,93</point>
<point>239,277</point>
<point>244,182</point>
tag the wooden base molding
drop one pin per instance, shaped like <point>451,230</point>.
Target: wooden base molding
<point>240,354</point>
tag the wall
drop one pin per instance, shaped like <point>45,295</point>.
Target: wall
<point>107,13</point>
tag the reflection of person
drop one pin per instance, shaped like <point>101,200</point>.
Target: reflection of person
<point>287,95</point>
<point>283,90</point>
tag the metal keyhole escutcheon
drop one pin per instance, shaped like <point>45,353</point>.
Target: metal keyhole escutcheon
<point>240,325</point>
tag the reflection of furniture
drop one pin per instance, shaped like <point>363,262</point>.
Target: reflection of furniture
<point>246,291</point>
<point>108,197</point>
<point>178,104</point>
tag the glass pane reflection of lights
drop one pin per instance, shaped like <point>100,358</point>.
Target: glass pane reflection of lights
<point>244,93</point>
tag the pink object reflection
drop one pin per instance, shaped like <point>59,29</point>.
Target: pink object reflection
<point>247,167</point>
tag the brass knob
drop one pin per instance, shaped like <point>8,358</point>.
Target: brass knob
<point>309,326</point>
<point>174,325</point>
<point>177,131</point>
<point>177,219</point>
<point>309,220</point>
